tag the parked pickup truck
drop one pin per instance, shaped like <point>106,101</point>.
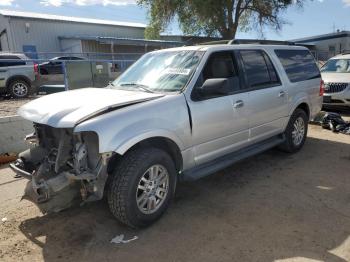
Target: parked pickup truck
<point>176,114</point>
<point>18,76</point>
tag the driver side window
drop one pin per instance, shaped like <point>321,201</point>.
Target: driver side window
<point>220,65</point>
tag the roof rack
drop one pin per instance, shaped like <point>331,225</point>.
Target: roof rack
<point>259,42</point>
<point>218,42</point>
<point>345,52</point>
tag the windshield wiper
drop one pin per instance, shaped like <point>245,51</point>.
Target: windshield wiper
<point>143,87</point>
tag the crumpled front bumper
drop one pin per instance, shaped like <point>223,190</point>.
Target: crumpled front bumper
<point>65,189</point>
<point>52,195</point>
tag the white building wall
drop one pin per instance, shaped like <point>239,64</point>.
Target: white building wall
<point>332,47</point>
<point>44,33</point>
<point>71,45</point>
<point>6,41</point>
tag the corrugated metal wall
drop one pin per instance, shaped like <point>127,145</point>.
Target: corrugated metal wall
<point>331,47</point>
<point>44,33</point>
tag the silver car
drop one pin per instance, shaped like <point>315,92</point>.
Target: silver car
<point>18,75</point>
<point>336,77</point>
<point>176,114</point>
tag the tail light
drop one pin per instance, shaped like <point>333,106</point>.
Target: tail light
<point>321,88</point>
<point>36,69</point>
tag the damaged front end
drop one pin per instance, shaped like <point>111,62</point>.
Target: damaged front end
<point>64,168</point>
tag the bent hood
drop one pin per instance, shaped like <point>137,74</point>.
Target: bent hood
<point>67,109</point>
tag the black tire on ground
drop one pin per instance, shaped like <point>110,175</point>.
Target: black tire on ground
<point>19,88</point>
<point>123,191</point>
<point>290,145</point>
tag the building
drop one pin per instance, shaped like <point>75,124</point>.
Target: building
<point>44,36</point>
<point>328,45</point>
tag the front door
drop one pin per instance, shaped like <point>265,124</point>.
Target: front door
<point>220,122</point>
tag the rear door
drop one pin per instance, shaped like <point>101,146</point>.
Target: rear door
<point>268,98</point>
<point>220,123</point>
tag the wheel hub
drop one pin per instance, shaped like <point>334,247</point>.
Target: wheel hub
<point>19,89</point>
<point>298,131</point>
<point>152,189</point>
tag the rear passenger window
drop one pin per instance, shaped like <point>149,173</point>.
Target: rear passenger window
<point>259,70</point>
<point>5,63</point>
<point>299,64</point>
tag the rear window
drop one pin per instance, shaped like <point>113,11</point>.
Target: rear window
<point>299,65</point>
<point>11,62</point>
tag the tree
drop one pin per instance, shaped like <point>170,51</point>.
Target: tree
<point>215,17</point>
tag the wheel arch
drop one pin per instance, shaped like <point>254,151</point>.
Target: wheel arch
<point>301,104</point>
<point>17,77</point>
<point>164,143</point>
<point>305,107</point>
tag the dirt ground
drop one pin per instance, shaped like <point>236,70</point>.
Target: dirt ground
<point>271,207</point>
<point>9,107</point>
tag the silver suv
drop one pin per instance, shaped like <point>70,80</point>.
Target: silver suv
<point>336,77</point>
<point>176,114</point>
<point>17,75</point>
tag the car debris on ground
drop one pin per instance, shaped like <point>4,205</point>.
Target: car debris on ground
<point>333,121</point>
<point>120,239</point>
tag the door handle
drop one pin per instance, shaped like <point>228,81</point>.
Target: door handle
<point>281,94</point>
<point>238,104</point>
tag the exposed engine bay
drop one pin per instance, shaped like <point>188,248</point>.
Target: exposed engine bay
<point>63,168</point>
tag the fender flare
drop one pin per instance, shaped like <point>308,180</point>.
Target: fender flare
<point>162,133</point>
<point>300,101</point>
<point>14,77</point>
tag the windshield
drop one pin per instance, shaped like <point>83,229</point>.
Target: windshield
<point>167,71</point>
<point>336,66</point>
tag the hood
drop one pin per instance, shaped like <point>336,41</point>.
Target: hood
<point>67,109</point>
<point>336,77</point>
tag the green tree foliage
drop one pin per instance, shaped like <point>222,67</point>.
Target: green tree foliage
<point>215,17</point>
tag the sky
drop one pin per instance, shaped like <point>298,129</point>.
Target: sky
<point>316,17</point>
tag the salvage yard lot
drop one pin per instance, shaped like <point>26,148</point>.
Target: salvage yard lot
<point>9,107</point>
<point>271,207</point>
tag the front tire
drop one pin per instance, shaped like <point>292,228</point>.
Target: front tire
<point>142,187</point>
<point>296,132</point>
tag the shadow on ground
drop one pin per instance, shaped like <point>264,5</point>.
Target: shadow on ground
<point>270,207</point>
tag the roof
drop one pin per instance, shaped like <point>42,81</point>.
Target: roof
<point>316,38</point>
<point>11,13</point>
<point>126,41</point>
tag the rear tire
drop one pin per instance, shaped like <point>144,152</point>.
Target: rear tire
<point>295,132</point>
<point>142,187</point>
<point>19,88</point>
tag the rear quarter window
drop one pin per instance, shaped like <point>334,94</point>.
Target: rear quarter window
<point>299,65</point>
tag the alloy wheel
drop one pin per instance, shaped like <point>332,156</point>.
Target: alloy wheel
<point>152,189</point>
<point>20,89</point>
<point>298,132</point>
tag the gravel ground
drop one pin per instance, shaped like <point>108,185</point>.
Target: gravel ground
<point>9,107</point>
<point>271,207</point>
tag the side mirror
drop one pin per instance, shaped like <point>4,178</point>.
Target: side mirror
<point>214,87</point>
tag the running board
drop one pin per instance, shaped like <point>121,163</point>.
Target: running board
<point>227,160</point>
